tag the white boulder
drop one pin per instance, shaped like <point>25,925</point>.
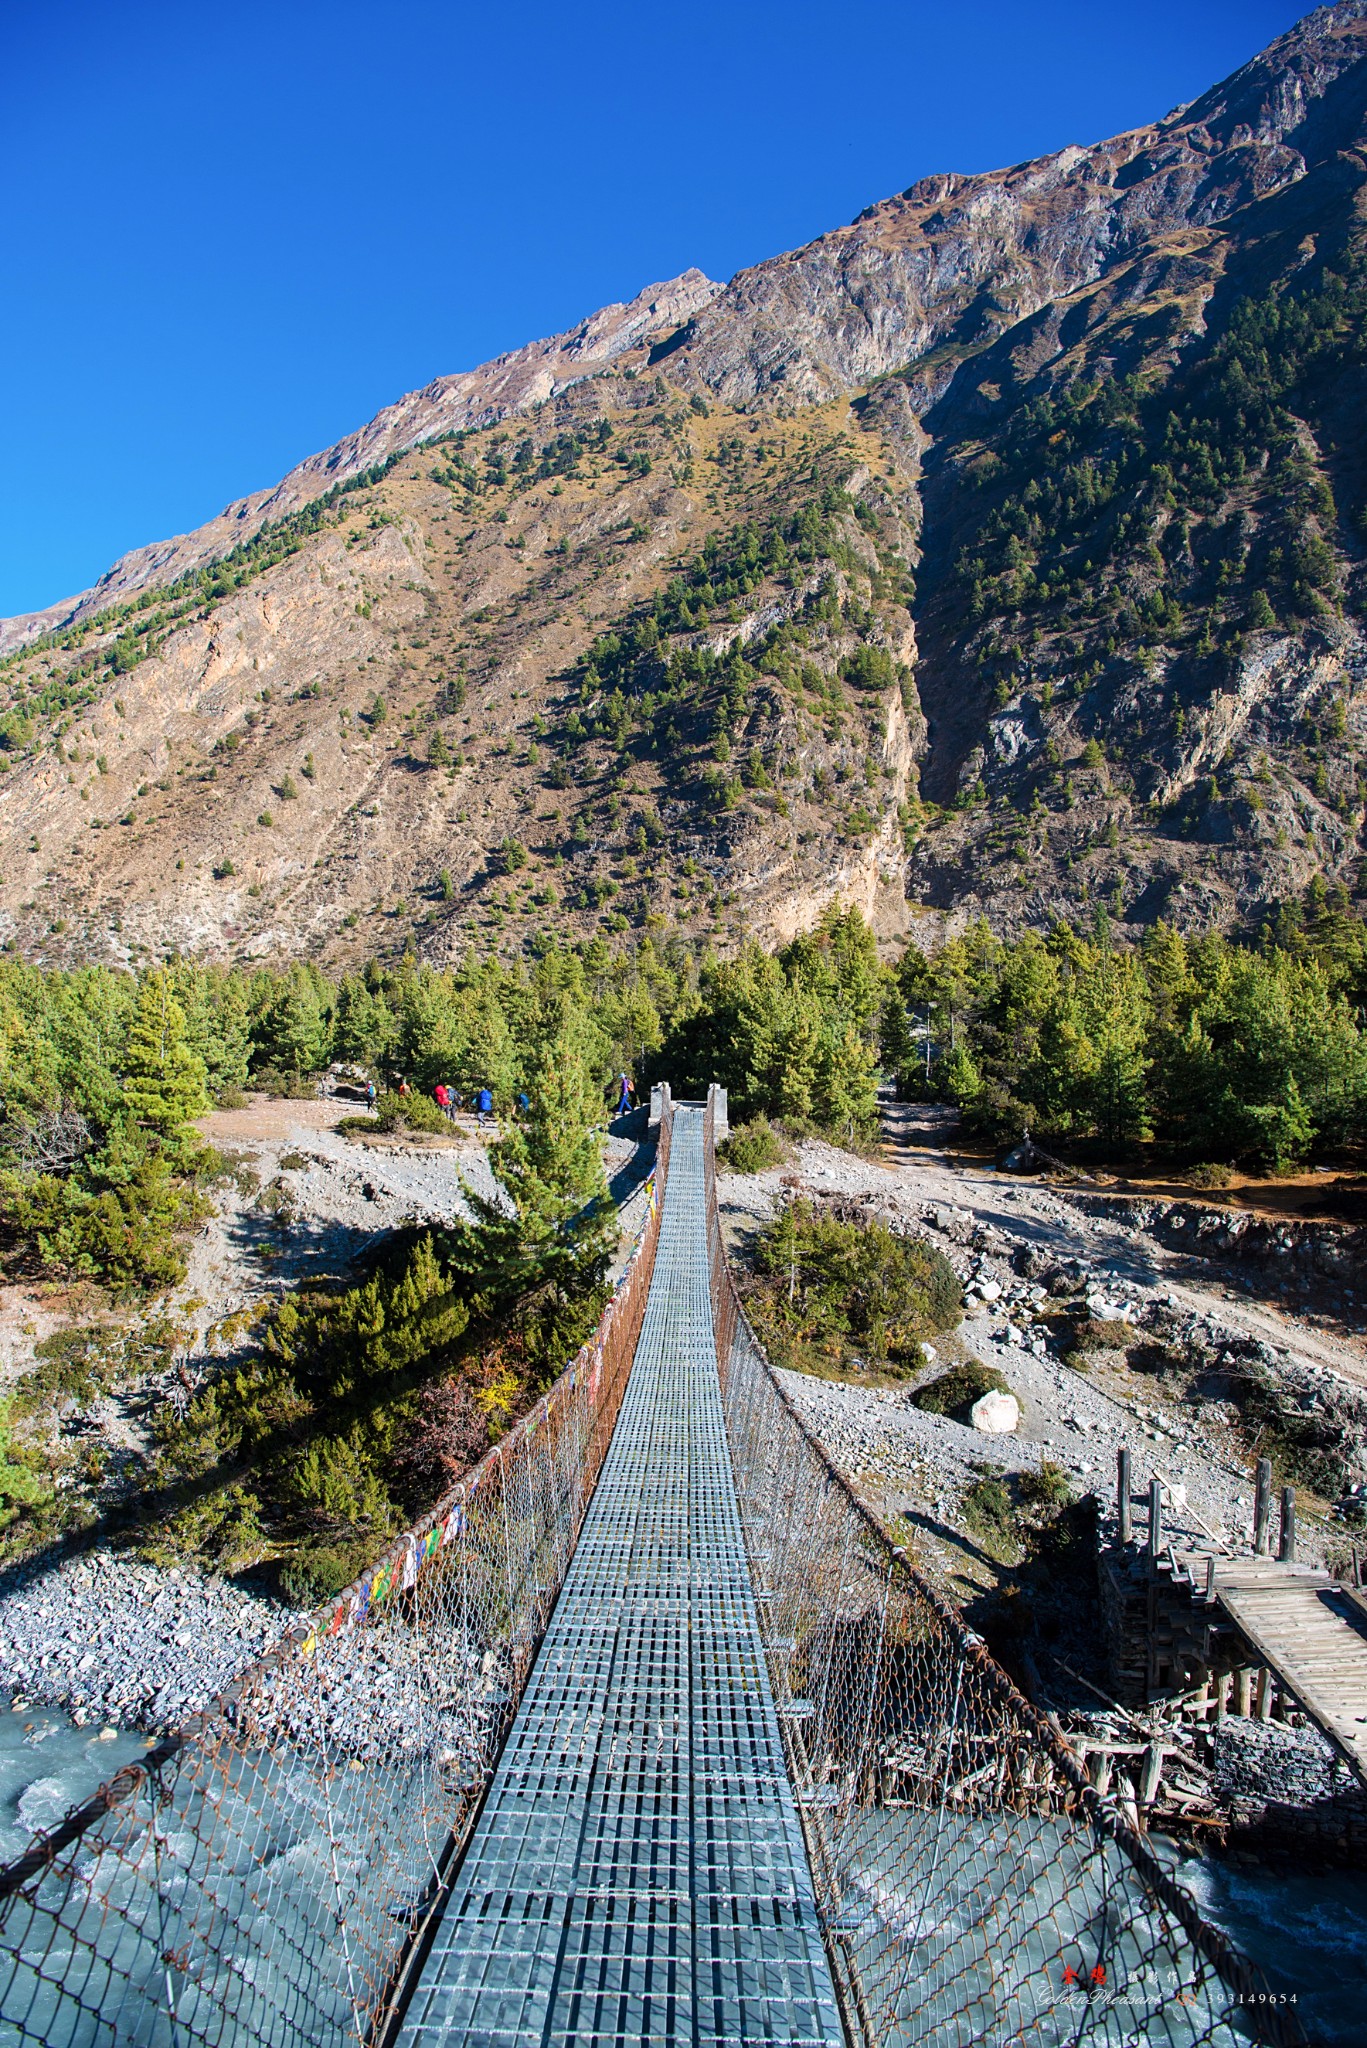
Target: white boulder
<point>996,1414</point>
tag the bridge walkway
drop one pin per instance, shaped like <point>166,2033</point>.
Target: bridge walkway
<point>638,1873</point>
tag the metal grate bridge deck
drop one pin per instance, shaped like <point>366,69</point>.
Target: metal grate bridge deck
<point>638,1873</point>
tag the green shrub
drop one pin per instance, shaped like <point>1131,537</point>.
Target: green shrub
<point>834,1293</point>
<point>1097,1334</point>
<point>1047,1488</point>
<point>81,1362</point>
<point>954,1392</point>
<point>395,1112</point>
<point>753,1147</point>
<point>318,1572</point>
<point>21,1484</point>
<point>989,1513</point>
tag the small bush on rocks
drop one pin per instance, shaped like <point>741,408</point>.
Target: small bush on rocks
<point>753,1147</point>
<point>989,1514</point>
<point>840,1297</point>
<point>22,1484</point>
<point>395,1112</point>
<point>1047,1488</point>
<point>1094,1335</point>
<point>953,1393</point>
<point>1209,1175</point>
<point>318,1572</point>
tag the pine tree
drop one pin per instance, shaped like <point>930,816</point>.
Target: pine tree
<point>846,1097</point>
<point>897,1044</point>
<point>538,1251</point>
<point>367,1029</point>
<point>294,1026</point>
<point>163,1077</point>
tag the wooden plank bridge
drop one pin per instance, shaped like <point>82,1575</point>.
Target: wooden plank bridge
<point>1312,1633</point>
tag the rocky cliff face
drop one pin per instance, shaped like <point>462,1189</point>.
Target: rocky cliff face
<point>999,551</point>
<point>958,260</point>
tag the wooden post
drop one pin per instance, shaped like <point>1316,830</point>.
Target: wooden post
<point>1153,1774</point>
<point>1263,1706</point>
<point>1221,1694</point>
<point>1286,1550</point>
<point>1262,1508</point>
<point>1210,1580</point>
<point>1155,1519</point>
<point>1243,1691</point>
<point>1124,1514</point>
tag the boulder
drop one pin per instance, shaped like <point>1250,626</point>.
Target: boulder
<point>996,1414</point>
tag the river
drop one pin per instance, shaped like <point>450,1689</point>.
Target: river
<point>1306,1930</point>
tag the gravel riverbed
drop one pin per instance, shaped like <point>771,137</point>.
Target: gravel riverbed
<point>107,1637</point>
<point>908,1462</point>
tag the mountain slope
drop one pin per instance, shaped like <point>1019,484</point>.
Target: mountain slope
<point>510,384</point>
<point>1000,551</point>
<point>957,260</point>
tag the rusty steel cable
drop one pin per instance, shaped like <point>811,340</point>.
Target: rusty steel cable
<point>973,1885</point>
<point>264,1875</point>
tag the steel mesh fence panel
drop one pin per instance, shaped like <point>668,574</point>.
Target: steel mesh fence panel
<point>265,1874</point>
<point>972,1885</point>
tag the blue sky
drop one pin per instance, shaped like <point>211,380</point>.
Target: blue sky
<point>233,233</point>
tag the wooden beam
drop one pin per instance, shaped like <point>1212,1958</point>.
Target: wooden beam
<point>1286,1553</point>
<point>1262,1508</point>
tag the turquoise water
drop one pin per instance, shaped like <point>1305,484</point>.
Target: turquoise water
<point>1307,1930</point>
<point>48,1765</point>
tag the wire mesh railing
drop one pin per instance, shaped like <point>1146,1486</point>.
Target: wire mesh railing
<point>266,1874</point>
<point>973,1886</point>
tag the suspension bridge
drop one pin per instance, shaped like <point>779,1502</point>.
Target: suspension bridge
<point>646,1734</point>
